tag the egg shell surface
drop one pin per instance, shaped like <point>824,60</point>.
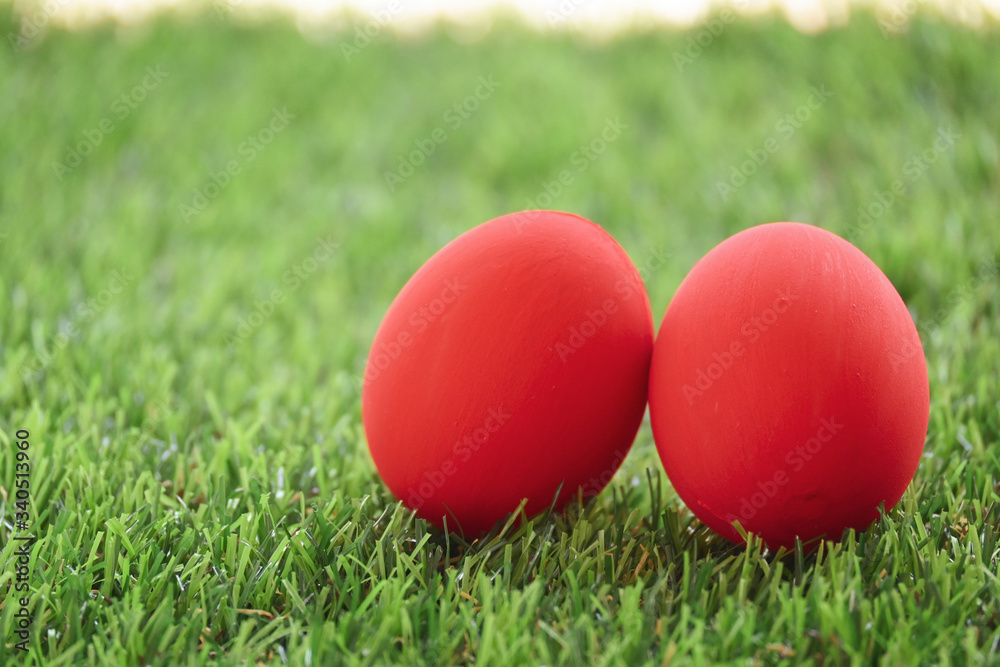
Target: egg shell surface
<point>513,364</point>
<point>788,388</point>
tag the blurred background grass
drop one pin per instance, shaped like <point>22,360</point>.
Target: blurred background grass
<point>150,378</point>
<point>687,125</point>
<point>655,186</point>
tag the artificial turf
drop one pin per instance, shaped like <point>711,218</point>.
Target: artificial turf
<point>187,358</point>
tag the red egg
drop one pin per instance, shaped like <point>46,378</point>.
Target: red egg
<point>513,364</point>
<point>788,388</point>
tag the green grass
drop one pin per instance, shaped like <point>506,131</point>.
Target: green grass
<point>204,497</point>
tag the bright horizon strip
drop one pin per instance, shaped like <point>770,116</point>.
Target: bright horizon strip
<point>589,16</point>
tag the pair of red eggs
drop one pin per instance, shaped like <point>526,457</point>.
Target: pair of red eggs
<point>787,386</point>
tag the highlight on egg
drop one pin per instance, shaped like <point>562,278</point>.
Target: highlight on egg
<point>512,365</point>
<point>788,389</point>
